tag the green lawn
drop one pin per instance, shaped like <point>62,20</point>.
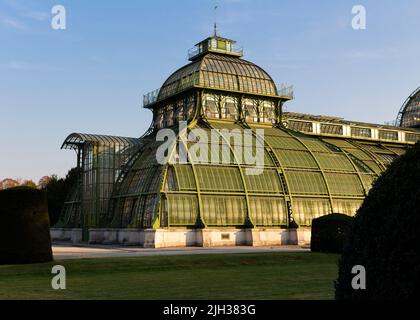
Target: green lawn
<point>234,276</point>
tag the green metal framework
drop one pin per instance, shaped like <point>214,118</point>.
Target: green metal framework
<point>312,166</point>
<point>409,115</point>
<point>304,177</point>
<point>101,159</point>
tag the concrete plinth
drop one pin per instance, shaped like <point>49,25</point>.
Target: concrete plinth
<point>183,237</point>
<point>70,235</point>
<point>268,237</point>
<point>301,236</point>
<point>224,237</point>
<point>166,238</point>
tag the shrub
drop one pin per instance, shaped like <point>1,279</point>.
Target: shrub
<point>24,223</point>
<point>328,232</point>
<point>57,192</point>
<point>385,236</point>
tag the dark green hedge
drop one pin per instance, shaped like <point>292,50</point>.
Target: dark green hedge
<point>328,232</point>
<point>24,226</point>
<point>385,236</point>
<point>57,190</point>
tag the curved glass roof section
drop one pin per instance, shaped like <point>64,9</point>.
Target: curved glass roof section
<point>409,116</point>
<point>312,176</point>
<point>75,140</point>
<point>223,72</point>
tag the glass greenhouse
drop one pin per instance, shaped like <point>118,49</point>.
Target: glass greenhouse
<point>311,165</point>
<point>409,115</point>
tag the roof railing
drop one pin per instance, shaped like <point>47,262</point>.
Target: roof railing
<point>151,97</point>
<point>193,52</point>
<point>197,50</point>
<point>286,91</point>
<point>282,91</point>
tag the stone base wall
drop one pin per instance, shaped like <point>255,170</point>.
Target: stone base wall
<point>183,237</point>
<point>68,235</point>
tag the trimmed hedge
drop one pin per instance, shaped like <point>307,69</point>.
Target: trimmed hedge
<point>385,236</point>
<point>24,223</point>
<point>328,232</point>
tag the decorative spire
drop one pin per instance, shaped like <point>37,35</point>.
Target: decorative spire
<point>215,21</point>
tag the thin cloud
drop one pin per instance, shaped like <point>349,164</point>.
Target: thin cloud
<point>10,22</point>
<point>364,54</point>
<point>17,65</point>
<point>22,12</point>
<point>14,65</point>
<point>384,53</point>
<point>36,15</point>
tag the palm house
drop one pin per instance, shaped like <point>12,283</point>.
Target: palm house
<point>310,165</point>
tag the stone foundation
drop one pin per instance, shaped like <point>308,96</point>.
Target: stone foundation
<point>69,235</point>
<point>183,237</point>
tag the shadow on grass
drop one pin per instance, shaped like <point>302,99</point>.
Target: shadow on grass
<point>281,275</point>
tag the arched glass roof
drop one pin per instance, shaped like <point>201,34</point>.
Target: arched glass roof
<point>75,140</point>
<point>311,176</point>
<point>223,72</point>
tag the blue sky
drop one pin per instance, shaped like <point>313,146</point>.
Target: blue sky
<point>90,77</point>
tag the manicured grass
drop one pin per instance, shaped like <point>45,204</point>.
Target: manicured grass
<point>228,276</point>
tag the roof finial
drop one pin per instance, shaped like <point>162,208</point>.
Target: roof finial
<point>215,21</point>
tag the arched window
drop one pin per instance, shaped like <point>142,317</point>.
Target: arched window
<point>230,108</point>
<point>180,110</point>
<point>189,107</point>
<point>159,118</point>
<point>211,108</point>
<point>169,116</point>
<point>267,113</point>
<point>250,107</point>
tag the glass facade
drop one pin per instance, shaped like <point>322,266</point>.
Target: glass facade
<point>100,159</point>
<point>174,111</point>
<point>309,167</point>
<point>304,177</point>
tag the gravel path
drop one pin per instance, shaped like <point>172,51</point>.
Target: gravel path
<point>65,251</point>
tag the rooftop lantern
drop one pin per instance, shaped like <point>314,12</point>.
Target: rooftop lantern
<point>215,44</point>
